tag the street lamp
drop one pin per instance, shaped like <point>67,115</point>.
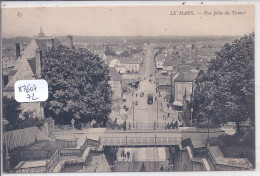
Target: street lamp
<point>133,115</point>
<point>191,111</point>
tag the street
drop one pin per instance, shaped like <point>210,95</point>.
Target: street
<point>143,115</point>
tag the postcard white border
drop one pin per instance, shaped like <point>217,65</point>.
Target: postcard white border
<point>163,3</point>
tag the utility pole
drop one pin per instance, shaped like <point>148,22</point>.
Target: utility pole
<point>208,133</point>
<point>171,97</point>
<point>191,111</point>
<point>133,115</point>
<point>157,115</point>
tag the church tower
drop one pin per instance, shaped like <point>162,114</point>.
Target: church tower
<point>41,34</point>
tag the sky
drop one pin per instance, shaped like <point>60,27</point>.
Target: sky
<point>129,21</point>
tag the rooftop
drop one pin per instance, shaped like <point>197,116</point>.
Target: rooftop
<point>187,76</point>
<point>129,60</point>
<point>115,76</point>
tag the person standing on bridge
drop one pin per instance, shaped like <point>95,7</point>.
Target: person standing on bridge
<point>129,125</point>
<point>143,169</point>
<point>161,168</point>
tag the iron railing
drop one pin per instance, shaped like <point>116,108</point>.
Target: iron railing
<point>140,141</point>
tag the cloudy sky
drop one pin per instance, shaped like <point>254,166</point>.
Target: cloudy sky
<point>129,21</point>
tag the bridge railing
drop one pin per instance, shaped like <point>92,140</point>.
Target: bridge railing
<point>139,141</point>
<point>150,126</point>
<point>80,126</point>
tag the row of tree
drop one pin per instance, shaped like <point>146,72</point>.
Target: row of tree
<point>126,53</point>
<point>226,91</point>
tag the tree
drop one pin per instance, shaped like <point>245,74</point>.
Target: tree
<point>125,54</point>
<point>78,86</point>
<point>226,91</point>
<point>110,51</point>
<point>11,111</point>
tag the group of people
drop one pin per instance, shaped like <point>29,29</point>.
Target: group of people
<point>164,169</point>
<point>126,155</point>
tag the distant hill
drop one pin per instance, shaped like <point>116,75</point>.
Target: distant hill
<point>8,45</point>
<point>10,41</point>
<point>147,39</point>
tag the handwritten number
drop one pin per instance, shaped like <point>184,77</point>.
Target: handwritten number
<point>32,97</point>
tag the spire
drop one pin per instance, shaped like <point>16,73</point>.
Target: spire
<point>41,31</point>
<point>41,34</point>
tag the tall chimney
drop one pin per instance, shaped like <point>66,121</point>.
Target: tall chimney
<point>18,50</point>
<point>38,59</point>
<point>70,41</point>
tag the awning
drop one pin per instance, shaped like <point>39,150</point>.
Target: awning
<point>177,103</point>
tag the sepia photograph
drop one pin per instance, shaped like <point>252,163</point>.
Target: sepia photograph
<point>167,88</point>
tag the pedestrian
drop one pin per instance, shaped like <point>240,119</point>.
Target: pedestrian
<point>133,156</point>
<point>161,168</point>
<point>136,95</point>
<point>143,169</point>
<point>132,95</point>
<point>129,125</point>
<point>128,155</point>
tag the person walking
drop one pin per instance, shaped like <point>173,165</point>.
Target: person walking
<point>128,155</point>
<point>122,154</point>
<point>129,125</point>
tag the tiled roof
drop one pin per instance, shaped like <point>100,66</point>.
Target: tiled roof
<point>187,76</point>
<point>129,60</point>
<point>23,72</point>
<point>160,57</point>
<point>108,59</point>
<point>32,63</point>
<point>26,64</point>
<point>164,81</point>
<point>115,76</point>
<point>169,62</point>
<point>29,51</point>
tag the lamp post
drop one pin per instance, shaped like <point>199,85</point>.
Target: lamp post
<point>157,115</point>
<point>133,115</point>
<point>191,111</point>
